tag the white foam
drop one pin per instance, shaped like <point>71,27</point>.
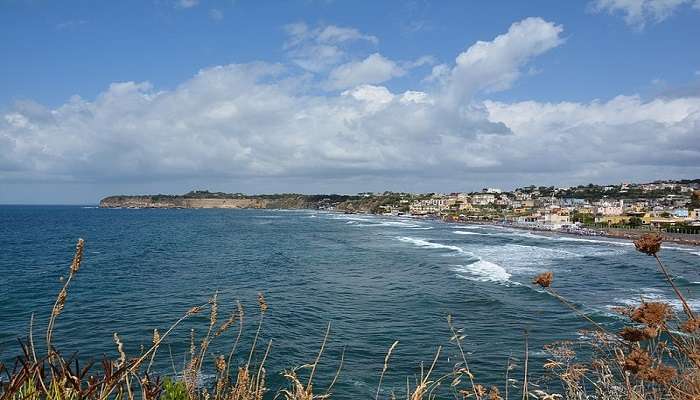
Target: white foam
<point>653,294</point>
<point>684,249</point>
<point>541,250</point>
<point>482,271</point>
<point>467,233</point>
<point>476,227</point>
<point>371,221</point>
<point>596,241</point>
<point>432,245</point>
<point>479,270</point>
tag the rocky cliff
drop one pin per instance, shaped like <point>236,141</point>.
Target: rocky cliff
<point>291,202</point>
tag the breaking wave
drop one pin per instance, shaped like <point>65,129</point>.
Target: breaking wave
<point>432,245</point>
<point>482,271</point>
<point>478,270</point>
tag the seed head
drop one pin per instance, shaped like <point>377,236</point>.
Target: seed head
<point>262,303</point>
<point>634,334</point>
<point>78,257</point>
<point>544,279</point>
<point>662,374</point>
<point>60,302</point>
<point>638,360</point>
<point>226,325</point>
<point>649,244</point>
<point>691,325</point>
<point>652,314</point>
<point>194,310</point>
<point>214,314</point>
<point>220,363</point>
<point>495,394</point>
<point>156,337</point>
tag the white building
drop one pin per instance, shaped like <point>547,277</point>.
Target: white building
<point>483,199</point>
<point>611,207</point>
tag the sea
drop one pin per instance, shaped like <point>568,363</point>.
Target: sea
<point>374,279</point>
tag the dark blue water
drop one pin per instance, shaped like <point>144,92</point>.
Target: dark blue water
<point>375,279</point>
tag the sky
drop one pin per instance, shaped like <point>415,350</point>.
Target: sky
<point>328,96</point>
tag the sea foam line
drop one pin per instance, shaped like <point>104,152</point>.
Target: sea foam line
<point>479,270</point>
<point>482,271</point>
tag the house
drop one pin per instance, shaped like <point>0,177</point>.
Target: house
<point>483,199</point>
<point>434,205</point>
<point>557,218</point>
<point>612,219</point>
<point>610,208</point>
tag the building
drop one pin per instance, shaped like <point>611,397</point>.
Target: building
<point>434,205</point>
<point>557,218</point>
<point>610,208</point>
<point>483,199</point>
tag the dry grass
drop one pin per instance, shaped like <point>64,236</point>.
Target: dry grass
<point>655,356</point>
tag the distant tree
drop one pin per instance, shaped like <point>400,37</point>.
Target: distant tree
<point>635,221</point>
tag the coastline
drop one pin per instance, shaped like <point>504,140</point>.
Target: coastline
<point>261,203</point>
<point>610,233</point>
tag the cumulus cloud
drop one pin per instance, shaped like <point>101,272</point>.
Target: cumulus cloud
<point>262,120</point>
<point>494,65</point>
<point>637,13</point>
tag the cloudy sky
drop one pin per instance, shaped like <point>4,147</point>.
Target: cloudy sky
<point>165,96</point>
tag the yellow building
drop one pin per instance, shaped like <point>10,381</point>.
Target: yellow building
<point>612,219</point>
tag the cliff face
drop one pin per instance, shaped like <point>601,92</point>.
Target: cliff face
<point>185,202</point>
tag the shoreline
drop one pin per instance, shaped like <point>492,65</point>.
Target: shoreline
<point>610,233</point>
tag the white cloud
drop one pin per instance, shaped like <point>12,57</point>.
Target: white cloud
<point>612,138</point>
<point>373,69</point>
<point>412,96</point>
<point>187,3</point>
<point>243,121</point>
<point>336,34</point>
<point>421,61</point>
<point>495,65</point>
<point>637,13</point>
<point>316,49</point>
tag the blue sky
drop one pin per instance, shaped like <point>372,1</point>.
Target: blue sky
<point>620,76</point>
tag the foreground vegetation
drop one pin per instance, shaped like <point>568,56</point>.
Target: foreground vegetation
<point>656,356</point>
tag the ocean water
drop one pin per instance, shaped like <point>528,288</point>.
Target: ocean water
<point>375,279</point>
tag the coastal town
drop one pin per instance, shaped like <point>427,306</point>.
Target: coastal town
<point>672,206</point>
